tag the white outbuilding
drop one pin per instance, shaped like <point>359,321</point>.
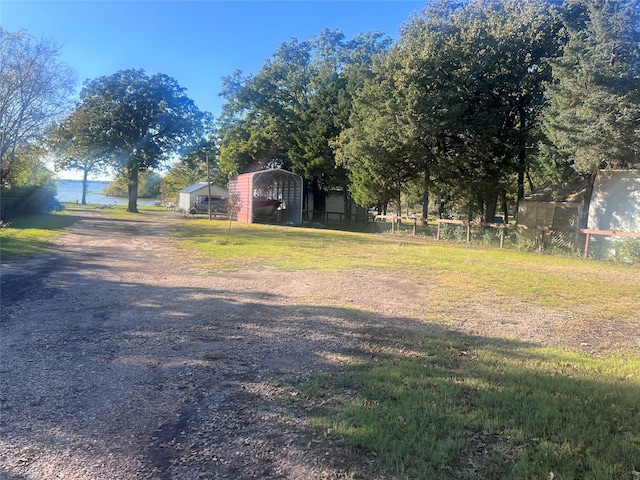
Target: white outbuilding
<point>199,194</point>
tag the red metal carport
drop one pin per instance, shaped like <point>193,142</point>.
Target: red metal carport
<point>272,184</point>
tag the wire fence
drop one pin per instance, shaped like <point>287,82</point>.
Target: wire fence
<point>587,243</point>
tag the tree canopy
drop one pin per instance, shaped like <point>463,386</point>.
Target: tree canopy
<point>137,122</point>
<point>35,89</point>
<point>593,112</point>
<point>477,102</point>
<point>290,112</point>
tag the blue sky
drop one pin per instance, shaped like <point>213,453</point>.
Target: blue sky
<point>195,42</point>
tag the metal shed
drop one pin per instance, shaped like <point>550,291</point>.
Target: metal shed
<point>199,193</point>
<point>273,195</point>
<point>615,201</point>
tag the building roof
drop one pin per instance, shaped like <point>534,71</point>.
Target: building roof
<point>569,192</point>
<point>193,188</point>
<point>264,178</point>
<point>215,189</point>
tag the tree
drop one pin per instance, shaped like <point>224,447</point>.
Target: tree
<point>375,148</point>
<point>457,100</point>
<point>72,144</point>
<point>290,113</point>
<point>137,122</point>
<point>34,91</point>
<point>192,168</point>
<point>593,113</point>
<point>149,185</point>
<point>593,109</point>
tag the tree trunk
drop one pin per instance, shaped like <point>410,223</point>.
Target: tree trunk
<point>505,207</point>
<point>133,189</point>
<point>85,175</point>
<point>425,198</point>
<point>347,205</point>
<point>588,191</point>
<point>318,200</point>
<point>490,207</point>
<point>522,153</point>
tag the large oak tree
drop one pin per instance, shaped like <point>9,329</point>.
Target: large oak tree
<point>139,121</point>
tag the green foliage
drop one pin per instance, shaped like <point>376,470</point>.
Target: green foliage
<point>482,408</point>
<point>625,249</point>
<point>452,107</point>
<point>191,169</point>
<point>457,233</point>
<point>290,113</point>
<point>74,147</point>
<point>31,200</point>
<point>137,122</point>
<point>27,170</point>
<point>479,101</point>
<point>593,102</point>
<point>148,187</point>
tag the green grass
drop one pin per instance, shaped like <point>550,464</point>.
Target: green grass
<point>446,406</point>
<point>33,234</point>
<point>461,272</point>
<point>462,407</point>
<point>451,406</point>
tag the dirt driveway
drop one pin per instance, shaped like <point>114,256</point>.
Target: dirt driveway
<point>122,358</point>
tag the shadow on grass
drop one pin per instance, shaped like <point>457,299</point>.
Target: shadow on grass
<point>234,373</point>
<point>32,235</point>
<point>469,407</point>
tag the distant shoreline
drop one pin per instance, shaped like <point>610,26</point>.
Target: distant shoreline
<point>70,191</point>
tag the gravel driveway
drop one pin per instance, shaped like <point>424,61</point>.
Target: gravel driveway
<point>122,358</point>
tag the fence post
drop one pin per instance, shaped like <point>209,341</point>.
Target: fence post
<point>438,232</point>
<point>586,245</point>
<point>468,232</point>
<point>415,225</point>
<point>502,236</point>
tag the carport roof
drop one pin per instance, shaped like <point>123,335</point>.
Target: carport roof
<point>264,178</point>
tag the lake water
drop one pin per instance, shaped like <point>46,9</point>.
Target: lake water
<point>71,191</point>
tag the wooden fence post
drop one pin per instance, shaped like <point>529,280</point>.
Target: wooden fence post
<point>468,232</point>
<point>502,236</point>
<point>586,245</point>
<point>438,232</point>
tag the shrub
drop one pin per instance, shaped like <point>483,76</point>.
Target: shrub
<point>624,250</point>
<point>29,201</point>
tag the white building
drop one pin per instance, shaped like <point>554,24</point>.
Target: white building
<point>199,193</point>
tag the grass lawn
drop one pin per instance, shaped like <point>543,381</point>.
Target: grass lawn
<point>34,234</point>
<point>449,405</point>
<point>457,406</point>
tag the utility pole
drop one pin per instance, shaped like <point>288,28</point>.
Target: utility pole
<point>208,184</point>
